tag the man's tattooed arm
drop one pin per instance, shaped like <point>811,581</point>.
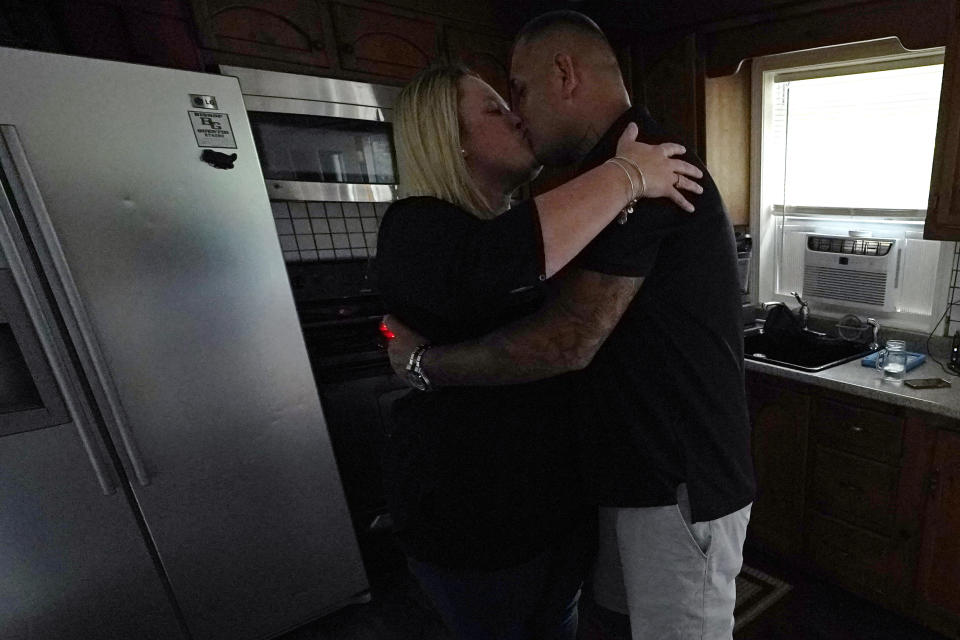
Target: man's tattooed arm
<point>563,336</point>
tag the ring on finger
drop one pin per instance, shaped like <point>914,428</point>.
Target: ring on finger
<point>676,185</point>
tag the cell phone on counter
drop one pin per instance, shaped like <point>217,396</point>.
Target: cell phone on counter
<point>926,383</point>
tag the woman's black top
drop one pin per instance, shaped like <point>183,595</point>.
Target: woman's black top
<point>475,477</point>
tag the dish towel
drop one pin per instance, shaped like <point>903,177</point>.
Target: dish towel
<point>914,360</point>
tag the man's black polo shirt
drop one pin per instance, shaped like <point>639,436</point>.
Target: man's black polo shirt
<point>663,400</point>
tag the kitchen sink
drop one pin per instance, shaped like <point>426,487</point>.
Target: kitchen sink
<point>805,351</point>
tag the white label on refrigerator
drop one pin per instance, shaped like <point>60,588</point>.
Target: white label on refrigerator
<point>212,129</point>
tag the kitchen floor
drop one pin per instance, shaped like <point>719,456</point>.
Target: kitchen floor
<point>813,610</point>
<point>816,610</point>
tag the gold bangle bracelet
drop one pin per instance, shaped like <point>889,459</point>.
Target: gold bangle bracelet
<point>643,180</point>
<point>628,208</point>
<point>626,172</point>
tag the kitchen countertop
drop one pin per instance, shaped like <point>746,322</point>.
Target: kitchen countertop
<point>855,379</point>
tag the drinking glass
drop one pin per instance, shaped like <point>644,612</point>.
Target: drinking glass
<point>892,360</point>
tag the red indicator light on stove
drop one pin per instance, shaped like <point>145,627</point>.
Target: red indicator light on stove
<point>385,331</point>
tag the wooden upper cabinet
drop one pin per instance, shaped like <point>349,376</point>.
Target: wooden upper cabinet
<point>487,55</point>
<point>283,30</point>
<point>670,83</point>
<point>943,209</point>
<point>383,43</point>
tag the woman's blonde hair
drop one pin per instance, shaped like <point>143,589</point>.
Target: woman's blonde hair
<point>426,133</point>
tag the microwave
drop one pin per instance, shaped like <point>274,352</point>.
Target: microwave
<point>321,139</point>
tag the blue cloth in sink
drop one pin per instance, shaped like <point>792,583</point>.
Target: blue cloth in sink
<point>914,360</point>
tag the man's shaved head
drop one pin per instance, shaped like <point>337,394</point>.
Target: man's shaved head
<point>565,83</point>
<point>576,31</point>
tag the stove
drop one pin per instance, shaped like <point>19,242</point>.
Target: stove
<point>340,314</point>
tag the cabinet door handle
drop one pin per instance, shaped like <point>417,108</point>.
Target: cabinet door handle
<point>857,429</point>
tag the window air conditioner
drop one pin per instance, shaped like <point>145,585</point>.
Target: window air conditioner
<point>852,272</point>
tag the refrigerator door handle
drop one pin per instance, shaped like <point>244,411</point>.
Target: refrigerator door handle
<point>26,193</point>
<point>12,247</point>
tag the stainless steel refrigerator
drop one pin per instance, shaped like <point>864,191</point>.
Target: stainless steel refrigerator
<point>165,468</point>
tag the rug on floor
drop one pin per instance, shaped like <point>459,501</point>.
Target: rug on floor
<point>756,592</point>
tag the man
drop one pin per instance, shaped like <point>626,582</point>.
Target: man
<point>649,316</point>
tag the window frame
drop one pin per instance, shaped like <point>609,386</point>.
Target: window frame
<point>844,59</point>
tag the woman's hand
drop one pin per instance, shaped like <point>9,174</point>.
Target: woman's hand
<point>664,175</point>
<point>401,345</point>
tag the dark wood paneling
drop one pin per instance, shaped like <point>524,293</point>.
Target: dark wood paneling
<point>157,32</point>
<point>485,54</point>
<point>727,135</point>
<point>918,23</point>
<point>27,25</point>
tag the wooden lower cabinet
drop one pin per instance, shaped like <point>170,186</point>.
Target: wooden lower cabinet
<point>939,576</point>
<point>865,494</point>
<point>854,557</point>
<point>779,417</point>
<point>855,489</point>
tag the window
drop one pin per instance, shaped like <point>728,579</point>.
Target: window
<point>845,139</point>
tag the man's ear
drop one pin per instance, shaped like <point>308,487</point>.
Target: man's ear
<point>567,74</point>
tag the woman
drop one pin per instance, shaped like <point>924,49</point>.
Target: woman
<point>481,481</point>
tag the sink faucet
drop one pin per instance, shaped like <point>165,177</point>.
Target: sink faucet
<point>804,310</point>
<point>876,333</point>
